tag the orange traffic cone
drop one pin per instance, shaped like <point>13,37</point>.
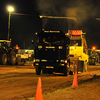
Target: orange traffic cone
<point>75,82</point>
<point>38,95</point>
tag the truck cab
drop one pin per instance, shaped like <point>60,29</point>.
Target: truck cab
<point>51,52</point>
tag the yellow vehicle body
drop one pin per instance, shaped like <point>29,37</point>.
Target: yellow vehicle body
<point>77,51</point>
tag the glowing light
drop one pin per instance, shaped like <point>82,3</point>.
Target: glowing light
<point>94,48</point>
<point>53,49</point>
<point>76,32</point>
<point>29,55</point>
<point>17,48</point>
<point>36,33</point>
<point>67,34</point>
<point>65,61</point>
<point>10,8</point>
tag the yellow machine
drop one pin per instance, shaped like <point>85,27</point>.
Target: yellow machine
<point>78,49</point>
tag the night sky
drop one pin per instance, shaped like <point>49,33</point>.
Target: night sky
<point>23,27</point>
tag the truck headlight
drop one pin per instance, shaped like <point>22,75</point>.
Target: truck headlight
<point>37,60</point>
<point>62,64</point>
<point>62,60</point>
<point>37,64</point>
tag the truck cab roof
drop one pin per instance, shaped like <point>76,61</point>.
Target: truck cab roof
<point>44,32</point>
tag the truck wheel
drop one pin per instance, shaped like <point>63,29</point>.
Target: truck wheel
<point>13,58</point>
<point>65,70</point>
<point>38,70</point>
<point>4,59</point>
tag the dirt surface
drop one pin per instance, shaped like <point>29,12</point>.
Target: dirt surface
<point>88,90</point>
<point>20,82</point>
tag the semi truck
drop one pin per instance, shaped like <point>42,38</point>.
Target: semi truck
<point>78,50</point>
<point>52,52</point>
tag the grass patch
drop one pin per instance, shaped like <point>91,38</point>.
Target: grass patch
<point>33,98</point>
<point>58,90</point>
<point>67,89</point>
<point>48,94</point>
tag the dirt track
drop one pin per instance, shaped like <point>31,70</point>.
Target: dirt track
<point>20,82</point>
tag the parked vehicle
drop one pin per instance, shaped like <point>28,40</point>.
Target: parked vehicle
<point>7,54</point>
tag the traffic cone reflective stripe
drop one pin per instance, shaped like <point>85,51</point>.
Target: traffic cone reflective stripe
<point>75,81</point>
<point>38,95</point>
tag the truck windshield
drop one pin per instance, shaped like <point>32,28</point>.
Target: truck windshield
<point>53,39</point>
<point>76,42</point>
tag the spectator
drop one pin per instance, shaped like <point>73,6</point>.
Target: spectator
<point>96,57</point>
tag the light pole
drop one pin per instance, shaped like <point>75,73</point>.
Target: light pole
<point>10,9</point>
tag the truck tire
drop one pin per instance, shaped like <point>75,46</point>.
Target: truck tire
<point>38,70</point>
<point>65,70</point>
<point>4,58</point>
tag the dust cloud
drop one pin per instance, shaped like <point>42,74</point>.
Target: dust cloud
<point>80,9</point>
